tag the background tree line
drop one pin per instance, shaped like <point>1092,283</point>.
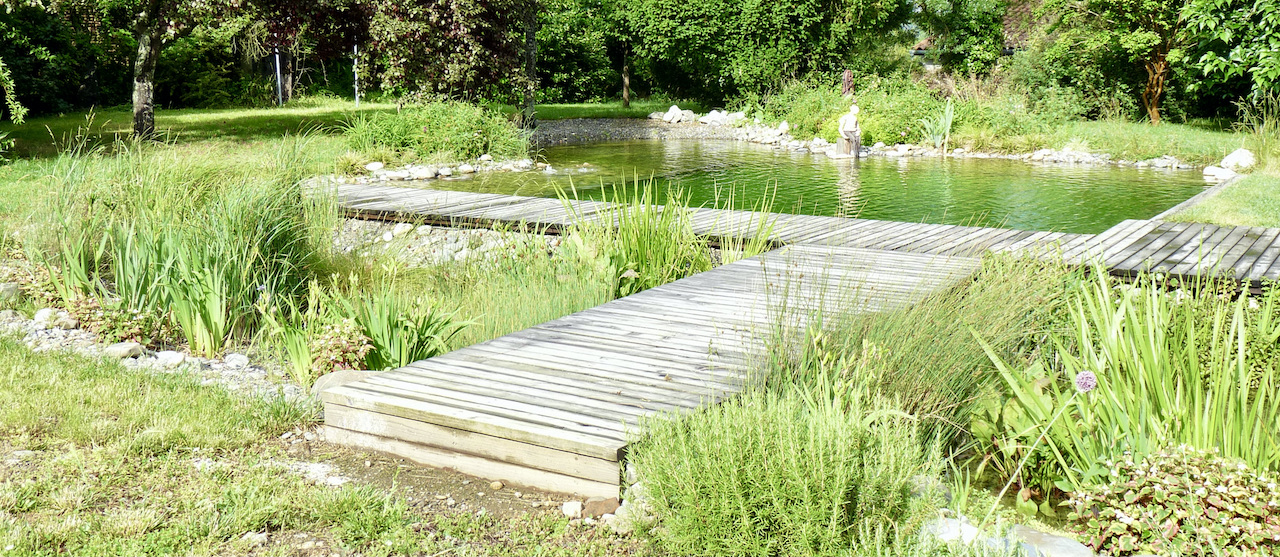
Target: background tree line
<point>1149,59</point>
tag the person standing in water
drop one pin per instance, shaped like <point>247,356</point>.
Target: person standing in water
<point>850,133</point>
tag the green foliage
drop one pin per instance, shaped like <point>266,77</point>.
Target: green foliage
<point>460,47</point>
<point>448,131</point>
<point>115,238</point>
<point>1260,120</point>
<point>968,34</point>
<point>637,243</point>
<point>806,106</point>
<point>1193,367</point>
<point>782,473</point>
<point>924,355</point>
<point>573,61</point>
<point>938,130</point>
<point>1235,40</point>
<point>714,50</point>
<point>401,330</point>
<point>1180,501</point>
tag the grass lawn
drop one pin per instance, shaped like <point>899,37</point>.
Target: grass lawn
<point>1252,201</point>
<point>98,459</point>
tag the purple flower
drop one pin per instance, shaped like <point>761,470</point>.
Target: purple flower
<point>1086,381</point>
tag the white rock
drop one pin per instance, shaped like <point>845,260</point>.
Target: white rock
<point>784,127</point>
<point>735,117</point>
<point>45,316</point>
<point>445,171</point>
<point>388,236</point>
<point>10,292</point>
<point>401,229</point>
<point>170,358</point>
<point>672,115</point>
<point>1219,173</point>
<point>656,115</point>
<point>254,538</point>
<point>572,509</point>
<point>374,166</point>
<point>236,360</point>
<point>878,145</point>
<point>902,148</point>
<point>486,157</point>
<point>951,529</point>
<point>958,150</point>
<point>1240,159</point>
<point>466,169</point>
<point>548,170</point>
<point>122,350</point>
<point>398,175</point>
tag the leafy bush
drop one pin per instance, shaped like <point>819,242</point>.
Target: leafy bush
<point>1173,367</point>
<point>781,473</point>
<point>1180,501</point>
<point>805,105</point>
<point>446,131</point>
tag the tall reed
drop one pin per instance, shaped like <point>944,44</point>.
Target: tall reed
<point>1173,367</point>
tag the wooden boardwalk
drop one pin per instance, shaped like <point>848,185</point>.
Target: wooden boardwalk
<point>554,406</point>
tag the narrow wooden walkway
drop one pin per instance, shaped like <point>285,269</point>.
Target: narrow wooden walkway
<point>553,406</point>
<point>481,209</point>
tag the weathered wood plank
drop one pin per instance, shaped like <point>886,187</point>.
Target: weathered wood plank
<point>486,468</point>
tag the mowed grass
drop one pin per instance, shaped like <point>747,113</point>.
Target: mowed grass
<point>97,459</point>
<point>1252,201</point>
<point>45,136</point>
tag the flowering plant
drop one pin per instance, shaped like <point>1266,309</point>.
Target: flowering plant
<point>1180,501</point>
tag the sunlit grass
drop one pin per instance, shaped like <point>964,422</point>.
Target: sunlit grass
<point>1252,201</point>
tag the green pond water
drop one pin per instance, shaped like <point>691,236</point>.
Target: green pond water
<point>979,192</point>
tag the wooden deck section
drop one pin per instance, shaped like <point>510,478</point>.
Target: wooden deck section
<point>554,406</point>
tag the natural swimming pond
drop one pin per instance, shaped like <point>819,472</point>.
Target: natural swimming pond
<point>980,192</point>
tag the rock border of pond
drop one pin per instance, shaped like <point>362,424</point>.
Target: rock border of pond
<point>719,125</point>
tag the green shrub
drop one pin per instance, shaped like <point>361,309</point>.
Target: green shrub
<point>806,106</point>
<point>1189,367</point>
<point>401,330</point>
<point>446,131</point>
<point>925,354</point>
<point>781,473</point>
<point>1180,501</point>
<point>639,243</point>
<point>193,243</point>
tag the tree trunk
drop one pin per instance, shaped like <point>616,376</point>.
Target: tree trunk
<point>286,73</point>
<point>530,65</point>
<point>626,82</point>
<point>150,35</point>
<point>1157,72</point>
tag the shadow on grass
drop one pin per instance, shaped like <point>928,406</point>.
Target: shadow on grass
<point>44,137</point>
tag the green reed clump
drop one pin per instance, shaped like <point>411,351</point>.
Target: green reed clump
<point>783,472</point>
<point>925,354</point>
<point>1195,366</point>
<point>444,130</point>
<point>198,243</point>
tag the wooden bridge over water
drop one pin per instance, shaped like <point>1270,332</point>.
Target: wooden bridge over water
<point>554,406</point>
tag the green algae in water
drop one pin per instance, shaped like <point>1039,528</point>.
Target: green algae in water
<point>978,192</point>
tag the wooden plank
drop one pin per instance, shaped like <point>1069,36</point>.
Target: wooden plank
<point>1266,263</point>
<point>1139,245</point>
<point>572,440</point>
<point>1228,263</point>
<point>1196,261</point>
<point>1244,266</point>
<point>1169,241</point>
<point>473,465</point>
<point>475,444</point>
